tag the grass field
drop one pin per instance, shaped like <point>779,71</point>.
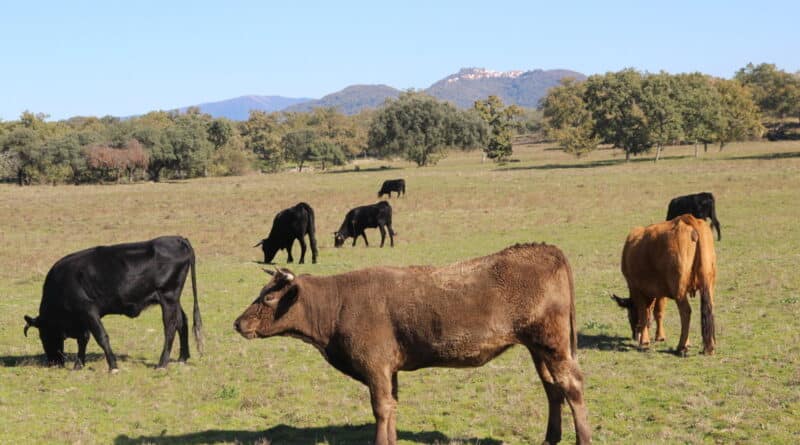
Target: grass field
<point>281,391</point>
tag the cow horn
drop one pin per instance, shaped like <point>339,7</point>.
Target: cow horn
<point>28,323</point>
<point>259,243</point>
<point>285,274</point>
<point>269,272</point>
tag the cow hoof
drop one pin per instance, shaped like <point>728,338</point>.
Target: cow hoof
<point>661,339</point>
<point>113,371</point>
<point>77,367</point>
<point>161,368</point>
<point>682,352</point>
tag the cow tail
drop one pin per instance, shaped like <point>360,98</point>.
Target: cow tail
<point>714,220</point>
<point>705,271</point>
<point>312,236</point>
<point>573,331</point>
<point>197,321</point>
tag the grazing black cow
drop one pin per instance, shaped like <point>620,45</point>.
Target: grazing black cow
<point>288,225</point>
<point>699,205</point>
<point>392,185</point>
<point>122,279</point>
<point>360,218</point>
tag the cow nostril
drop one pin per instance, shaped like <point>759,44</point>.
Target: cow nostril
<point>236,325</point>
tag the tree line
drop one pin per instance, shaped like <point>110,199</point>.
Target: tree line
<point>638,112</point>
<point>631,110</point>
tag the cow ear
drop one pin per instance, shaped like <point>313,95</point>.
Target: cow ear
<point>622,302</point>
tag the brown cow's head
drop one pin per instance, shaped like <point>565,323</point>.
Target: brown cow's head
<point>632,314</point>
<point>262,318</point>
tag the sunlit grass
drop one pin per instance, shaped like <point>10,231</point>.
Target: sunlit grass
<point>281,390</point>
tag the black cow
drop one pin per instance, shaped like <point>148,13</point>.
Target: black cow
<point>699,205</point>
<point>122,279</point>
<point>360,218</point>
<point>288,225</point>
<point>392,185</point>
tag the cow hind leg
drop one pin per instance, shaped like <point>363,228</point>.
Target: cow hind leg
<point>685,310</point>
<point>555,398</point>
<point>183,335</point>
<point>569,379</point>
<point>170,314</point>
<point>383,234</point>
<point>83,339</point>
<point>363,235</point>
<point>302,249</point>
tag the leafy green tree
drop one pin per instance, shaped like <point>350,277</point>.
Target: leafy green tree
<point>219,132</point>
<point>327,153</point>
<point>614,99</point>
<point>298,146</point>
<point>776,92</point>
<point>501,122</point>
<point>419,128</point>
<point>740,118</point>
<point>701,108</point>
<point>262,136</point>
<point>23,149</point>
<point>568,120</point>
<point>660,103</point>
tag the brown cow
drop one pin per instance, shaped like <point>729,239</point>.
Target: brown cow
<point>372,323</point>
<point>671,259</point>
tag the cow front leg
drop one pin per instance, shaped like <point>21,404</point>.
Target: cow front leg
<point>383,408</point>
<point>642,325</point>
<point>170,312</point>
<point>83,339</point>
<point>101,337</point>
<point>302,249</point>
<point>658,314</point>
<point>289,251</point>
<point>364,235</point>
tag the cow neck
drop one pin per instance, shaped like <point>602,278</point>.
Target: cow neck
<point>321,302</point>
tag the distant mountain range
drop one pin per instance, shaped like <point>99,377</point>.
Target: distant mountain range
<point>523,88</point>
<point>238,108</point>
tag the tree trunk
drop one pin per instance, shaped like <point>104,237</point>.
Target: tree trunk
<point>705,147</point>
<point>658,152</point>
<point>627,155</point>
<point>695,150</point>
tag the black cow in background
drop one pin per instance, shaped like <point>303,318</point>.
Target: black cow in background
<point>288,225</point>
<point>122,279</point>
<point>699,205</point>
<point>360,218</point>
<point>392,185</point>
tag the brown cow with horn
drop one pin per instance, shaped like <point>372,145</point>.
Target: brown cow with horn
<point>671,259</point>
<point>372,323</point>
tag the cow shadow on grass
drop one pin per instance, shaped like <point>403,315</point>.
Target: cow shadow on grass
<point>588,164</point>
<point>381,168</point>
<point>769,156</point>
<point>39,360</point>
<point>285,434</point>
<point>603,342</point>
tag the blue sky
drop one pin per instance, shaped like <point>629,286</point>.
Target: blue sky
<point>122,58</point>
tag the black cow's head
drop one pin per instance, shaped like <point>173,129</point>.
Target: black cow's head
<point>52,340</point>
<point>269,250</point>
<point>265,316</point>
<point>338,239</point>
<point>633,316</point>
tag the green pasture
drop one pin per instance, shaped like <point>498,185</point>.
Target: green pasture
<point>281,391</point>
